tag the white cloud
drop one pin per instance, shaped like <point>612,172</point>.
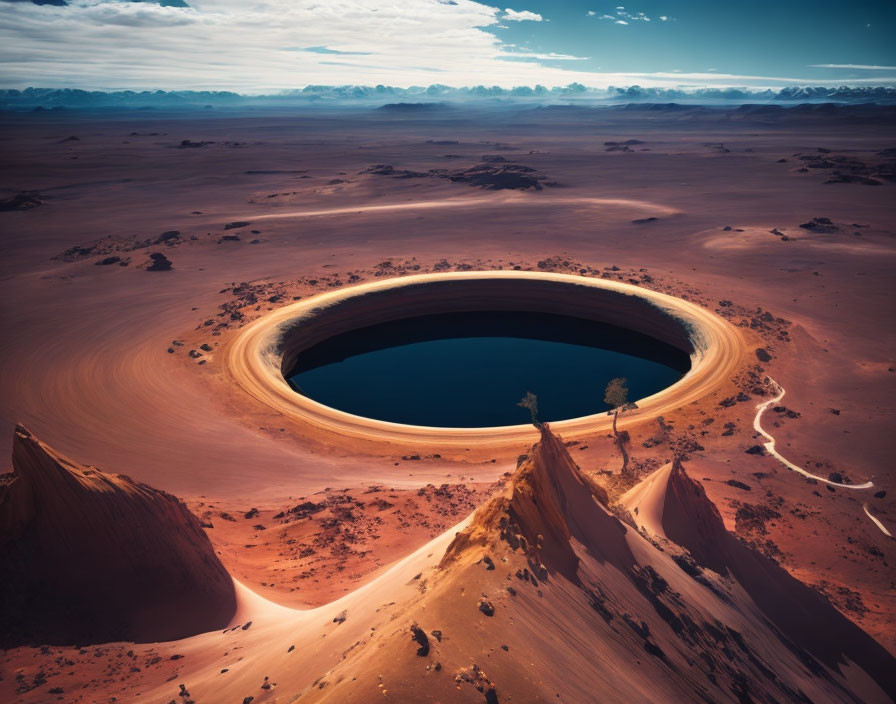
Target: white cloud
<point>269,45</point>
<point>521,16</point>
<point>623,16</point>
<point>544,57</point>
<point>863,67</point>
<point>591,13</point>
<point>663,18</point>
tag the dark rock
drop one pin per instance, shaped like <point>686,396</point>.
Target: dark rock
<point>167,237</point>
<point>755,450</point>
<point>437,634</point>
<point>341,617</point>
<point>642,221</point>
<point>739,485</point>
<point>418,635</point>
<point>486,607</point>
<point>880,494</point>
<point>762,355</point>
<point>108,260</point>
<point>821,225</point>
<point>159,262</point>
<point>236,224</point>
<point>23,201</point>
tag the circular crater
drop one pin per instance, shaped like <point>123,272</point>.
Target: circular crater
<point>470,369</point>
<point>394,361</point>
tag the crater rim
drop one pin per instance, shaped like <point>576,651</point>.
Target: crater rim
<point>261,354</point>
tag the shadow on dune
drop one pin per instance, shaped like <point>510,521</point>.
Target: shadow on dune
<point>805,619</point>
<point>89,557</point>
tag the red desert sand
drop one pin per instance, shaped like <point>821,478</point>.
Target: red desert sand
<point>230,542</point>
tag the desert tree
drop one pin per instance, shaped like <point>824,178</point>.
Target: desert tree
<point>616,396</point>
<point>530,401</point>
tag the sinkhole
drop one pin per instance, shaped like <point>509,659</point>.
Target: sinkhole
<point>470,368</point>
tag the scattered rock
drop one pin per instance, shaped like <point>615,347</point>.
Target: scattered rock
<point>418,635</point>
<point>762,355</point>
<point>821,225</point>
<point>26,200</point>
<point>738,485</point>
<point>159,262</point>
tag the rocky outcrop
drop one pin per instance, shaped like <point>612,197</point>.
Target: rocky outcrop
<point>94,557</point>
<point>553,501</point>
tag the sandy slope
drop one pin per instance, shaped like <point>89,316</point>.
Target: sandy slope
<point>544,594</point>
<point>85,362</point>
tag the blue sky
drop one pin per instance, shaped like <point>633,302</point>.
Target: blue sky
<point>269,45</point>
<point>761,38</point>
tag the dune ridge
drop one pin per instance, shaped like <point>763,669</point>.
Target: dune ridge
<point>95,557</point>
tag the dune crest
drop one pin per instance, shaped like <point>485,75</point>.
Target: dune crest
<point>679,510</point>
<point>639,621</point>
<point>95,557</point>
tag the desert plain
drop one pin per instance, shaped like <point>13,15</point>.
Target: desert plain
<point>297,563</point>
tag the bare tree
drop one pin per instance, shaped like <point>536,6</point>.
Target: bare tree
<point>616,395</point>
<point>530,401</point>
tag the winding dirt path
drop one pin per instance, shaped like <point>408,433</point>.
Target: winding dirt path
<point>770,445</point>
<point>877,522</point>
<point>770,448</point>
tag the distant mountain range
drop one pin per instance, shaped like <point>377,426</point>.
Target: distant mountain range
<point>374,96</point>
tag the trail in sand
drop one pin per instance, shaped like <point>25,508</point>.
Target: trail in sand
<point>512,199</point>
<point>770,445</point>
<point>770,448</point>
<point>877,522</point>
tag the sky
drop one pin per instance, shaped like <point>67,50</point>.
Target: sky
<point>264,46</point>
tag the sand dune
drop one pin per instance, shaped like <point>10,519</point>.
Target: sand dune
<point>90,557</point>
<point>545,593</point>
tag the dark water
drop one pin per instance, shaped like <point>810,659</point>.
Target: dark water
<point>467,370</point>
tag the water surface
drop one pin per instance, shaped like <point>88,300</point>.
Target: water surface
<point>467,370</point>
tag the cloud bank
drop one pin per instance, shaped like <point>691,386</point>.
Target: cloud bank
<point>271,45</point>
